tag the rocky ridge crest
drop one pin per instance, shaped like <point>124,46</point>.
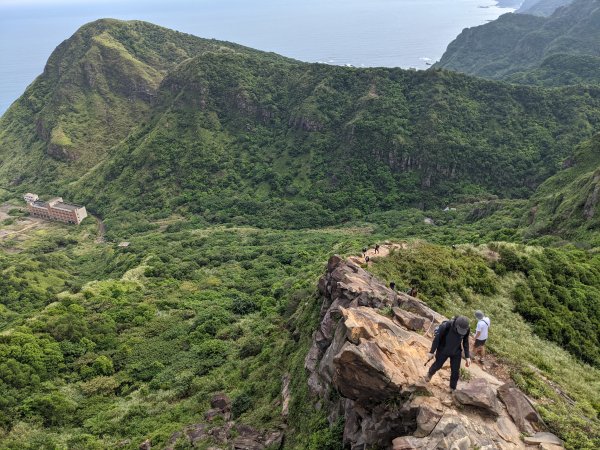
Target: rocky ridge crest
<point>366,366</point>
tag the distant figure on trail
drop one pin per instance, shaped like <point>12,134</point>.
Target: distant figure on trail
<point>413,291</point>
<point>392,285</point>
<point>376,248</point>
<point>367,259</point>
<point>365,251</point>
<point>481,334</point>
<point>450,339</point>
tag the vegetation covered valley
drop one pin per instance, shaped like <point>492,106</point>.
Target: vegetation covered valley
<point>230,176</point>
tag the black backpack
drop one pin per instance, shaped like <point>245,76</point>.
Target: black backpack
<point>436,331</point>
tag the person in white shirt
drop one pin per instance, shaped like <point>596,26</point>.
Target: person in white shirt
<point>481,334</point>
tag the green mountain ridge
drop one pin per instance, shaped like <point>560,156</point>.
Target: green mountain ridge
<point>543,8</point>
<point>96,87</point>
<point>240,136</point>
<point>524,48</point>
<point>566,204</point>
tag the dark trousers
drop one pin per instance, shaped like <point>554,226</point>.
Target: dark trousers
<point>440,359</point>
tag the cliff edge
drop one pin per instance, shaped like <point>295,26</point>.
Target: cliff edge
<point>367,362</point>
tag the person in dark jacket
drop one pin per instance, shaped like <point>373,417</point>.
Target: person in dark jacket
<point>451,339</point>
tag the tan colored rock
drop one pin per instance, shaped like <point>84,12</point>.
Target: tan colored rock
<point>507,430</point>
<point>410,320</point>
<point>408,443</point>
<point>430,411</point>
<point>543,438</point>
<point>478,393</point>
<point>376,365</point>
<point>520,408</point>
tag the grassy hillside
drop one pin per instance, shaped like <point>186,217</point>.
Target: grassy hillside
<point>566,204</point>
<point>96,87</point>
<point>557,50</point>
<point>493,278</point>
<point>104,347</point>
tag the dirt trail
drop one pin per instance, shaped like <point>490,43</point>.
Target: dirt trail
<point>493,367</point>
<point>384,250</point>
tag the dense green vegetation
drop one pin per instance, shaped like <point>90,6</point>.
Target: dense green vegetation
<point>247,140</point>
<point>566,204</point>
<point>554,51</point>
<point>201,153</point>
<point>96,87</point>
<point>555,289</point>
<point>129,343</point>
<point>238,136</point>
<point>560,297</point>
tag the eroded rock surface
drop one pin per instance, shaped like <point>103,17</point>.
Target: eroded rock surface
<point>372,365</point>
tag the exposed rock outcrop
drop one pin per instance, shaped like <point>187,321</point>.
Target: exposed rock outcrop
<point>372,366</point>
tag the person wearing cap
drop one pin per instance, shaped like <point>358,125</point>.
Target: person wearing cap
<point>481,334</point>
<point>450,340</point>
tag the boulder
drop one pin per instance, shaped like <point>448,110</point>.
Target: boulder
<point>543,438</point>
<point>243,443</point>
<point>478,393</point>
<point>408,443</point>
<point>520,409</point>
<point>416,306</point>
<point>430,411</point>
<point>146,445</point>
<point>220,402</point>
<point>409,320</point>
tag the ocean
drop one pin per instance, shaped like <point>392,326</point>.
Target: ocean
<point>362,33</point>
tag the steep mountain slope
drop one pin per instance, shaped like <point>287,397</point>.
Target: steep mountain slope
<point>543,8</point>
<point>515,44</point>
<point>567,203</point>
<point>95,88</point>
<point>243,138</point>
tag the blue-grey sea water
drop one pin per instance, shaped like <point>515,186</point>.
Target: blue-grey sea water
<point>393,33</point>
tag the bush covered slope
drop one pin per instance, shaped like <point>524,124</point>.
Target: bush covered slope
<point>567,203</point>
<point>247,137</point>
<point>96,86</point>
<point>558,50</point>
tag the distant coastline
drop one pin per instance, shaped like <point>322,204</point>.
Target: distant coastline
<point>342,32</point>
<point>513,4</point>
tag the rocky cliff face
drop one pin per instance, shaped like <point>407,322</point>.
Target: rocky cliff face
<point>367,362</point>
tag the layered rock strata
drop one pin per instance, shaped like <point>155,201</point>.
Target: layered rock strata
<point>367,363</point>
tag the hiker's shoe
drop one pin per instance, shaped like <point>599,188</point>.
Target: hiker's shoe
<point>427,378</point>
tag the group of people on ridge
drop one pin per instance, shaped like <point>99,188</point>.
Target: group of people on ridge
<point>451,339</point>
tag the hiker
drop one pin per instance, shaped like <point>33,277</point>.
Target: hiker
<point>367,259</point>
<point>413,291</point>
<point>392,285</point>
<point>450,336</point>
<point>481,334</point>
<point>376,248</point>
<point>365,251</point>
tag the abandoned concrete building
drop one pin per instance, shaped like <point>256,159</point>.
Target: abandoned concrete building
<point>55,209</point>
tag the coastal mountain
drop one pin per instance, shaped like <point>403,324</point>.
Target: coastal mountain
<point>127,120</point>
<point>543,8</point>
<point>201,306</point>
<point>96,87</point>
<point>558,50</point>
